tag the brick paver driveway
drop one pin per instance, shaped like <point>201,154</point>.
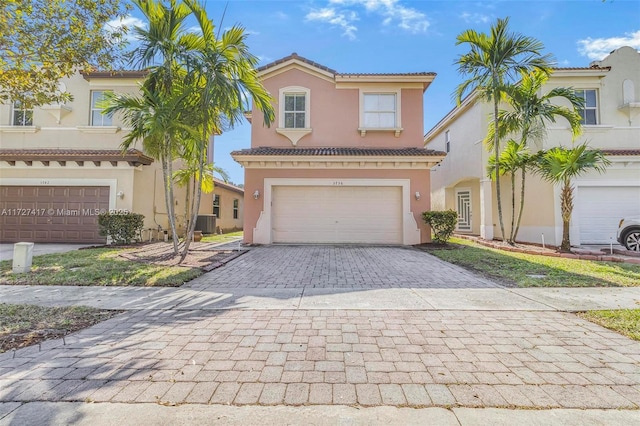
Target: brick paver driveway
<point>418,358</point>
<point>339,267</point>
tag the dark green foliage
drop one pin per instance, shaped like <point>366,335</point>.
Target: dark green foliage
<point>122,228</point>
<point>442,223</point>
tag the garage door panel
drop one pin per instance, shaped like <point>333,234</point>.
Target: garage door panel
<point>66,224</point>
<point>600,208</point>
<point>318,214</point>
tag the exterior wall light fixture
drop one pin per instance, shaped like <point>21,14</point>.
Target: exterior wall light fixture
<point>417,195</point>
<point>256,194</point>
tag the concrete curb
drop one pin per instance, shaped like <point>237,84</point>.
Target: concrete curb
<point>116,414</point>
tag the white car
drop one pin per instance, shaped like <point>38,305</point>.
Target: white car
<point>629,233</point>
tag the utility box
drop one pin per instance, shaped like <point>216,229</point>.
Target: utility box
<point>206,223</point>
<point>22,257</point>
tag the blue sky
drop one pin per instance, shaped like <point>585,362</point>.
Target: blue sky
<point>409,36</point>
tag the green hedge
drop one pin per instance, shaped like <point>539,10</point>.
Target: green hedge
<point>122,228</point>
<point>442,223</point>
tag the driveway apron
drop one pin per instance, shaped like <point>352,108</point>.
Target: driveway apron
<point>326,354</point>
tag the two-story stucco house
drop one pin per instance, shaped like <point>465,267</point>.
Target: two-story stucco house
<point>344,161</point>
<point>611,122</point>
<point>60,164</point>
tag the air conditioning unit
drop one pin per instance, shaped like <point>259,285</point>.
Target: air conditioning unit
<point>206,223</point>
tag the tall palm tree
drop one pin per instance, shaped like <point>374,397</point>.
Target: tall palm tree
<point>223,71</point>
<point>529,114</point>
<point>559,166</point>
<point>513,159</point>
<point>493,62</point>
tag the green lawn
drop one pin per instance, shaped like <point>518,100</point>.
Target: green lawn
<point>525,270</point>
<point>24,325</point>
<point>99,267</point>
<point>216,238</point>
<point>624,321</point>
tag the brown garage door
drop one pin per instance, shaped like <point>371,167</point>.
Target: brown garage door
<point>51,214</point>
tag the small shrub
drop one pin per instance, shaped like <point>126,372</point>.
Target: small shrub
<point>122,228</point>
<point>442,223</point>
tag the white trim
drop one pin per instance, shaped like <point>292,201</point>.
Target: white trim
<point>111,183</point>
<point>19,129</point>
<point>384,90</point>
<point>98,129</point>
<point>262,231</point>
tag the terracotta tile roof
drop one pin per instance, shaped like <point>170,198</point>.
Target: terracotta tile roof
<point>299,58</point>
<point>592,67</point>
<point>621,151</point>
<point>222,184</point>
<point>332,71</point>
<point>402,74</point>
<point>132,155</point>
<point>322,151</point>
<point>115,74</point>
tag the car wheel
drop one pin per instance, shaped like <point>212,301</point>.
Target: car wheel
<point>631,240</point>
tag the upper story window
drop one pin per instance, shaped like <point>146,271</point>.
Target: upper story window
<point>97,118</point>
<point>380,110</point>
<point>21,115</point>
<point>589,113</point>
<point>295,106</point>
<point>236,204</point>
<point>294,114</point>
<point>216,205</point>
<point>447,141</point>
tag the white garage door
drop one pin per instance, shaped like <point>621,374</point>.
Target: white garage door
<point>600,208</point>
<point>337,214</point>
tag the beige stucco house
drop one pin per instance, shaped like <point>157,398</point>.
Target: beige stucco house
<point>611,120</point>
<point>228,206</point>
<point>60,164</point>
<point>344,161</point>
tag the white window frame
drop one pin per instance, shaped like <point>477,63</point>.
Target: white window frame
<point>397,128</point>
<point>595,108</point>
<point>105,120</point>
<point>447,141</point>
<point>22,123</point>
<point>295,90</point>
<point>294,134</point>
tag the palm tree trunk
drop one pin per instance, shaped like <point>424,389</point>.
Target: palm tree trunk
<point>171,210</point>
<point>196,203</point>
<point>515,234</point>
<point>513,207</point>
<point>566,207</point>
<point>496,150</point>
<point>166,177</point>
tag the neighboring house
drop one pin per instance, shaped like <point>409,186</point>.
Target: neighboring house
<point>343,162</point>
<point>611,122</point>
<point>228,202</point>
<point>60,164</point>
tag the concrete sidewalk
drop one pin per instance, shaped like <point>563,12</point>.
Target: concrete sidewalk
<point>52,414</point>
<point>185,298</point>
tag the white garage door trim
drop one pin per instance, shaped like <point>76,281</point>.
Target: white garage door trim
<point>262,232</point>
<point>111,183</point>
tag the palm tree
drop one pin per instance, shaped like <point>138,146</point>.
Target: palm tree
<point>494,61</point>
<point>529,114</point>
<point>188,176</point>
<point>223,71</point>
<point>559,166</point>
<point>515,157</point>
<point>156,120</point>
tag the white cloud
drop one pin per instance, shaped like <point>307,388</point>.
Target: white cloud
<point>127,22</point>
<point>475,18</point>
<point>342,14</point>
<point>598,48</point>
<point>343,20</point>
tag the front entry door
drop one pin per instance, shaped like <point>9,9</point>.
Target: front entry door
<point>463,207</point>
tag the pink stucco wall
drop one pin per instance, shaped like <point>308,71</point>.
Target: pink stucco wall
<point>334,116</point>
<point>254,179</point>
